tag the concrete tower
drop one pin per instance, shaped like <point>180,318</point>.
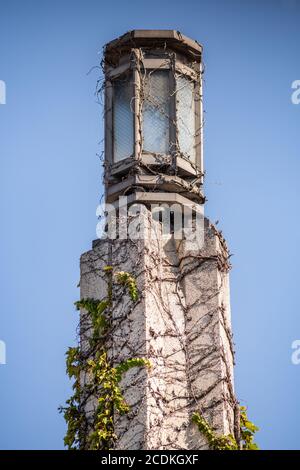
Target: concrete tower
<point>181,321</point>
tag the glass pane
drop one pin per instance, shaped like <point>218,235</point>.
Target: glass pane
<point>122,118</point>
<point>156,112</point>
<point>186,116</point>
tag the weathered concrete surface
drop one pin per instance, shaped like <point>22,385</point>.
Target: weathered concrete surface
<point>181,323</point>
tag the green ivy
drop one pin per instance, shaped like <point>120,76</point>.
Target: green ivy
<point>96,310</point>
<point>228,442</point>
<point>248,429</point>
<point>127,280</point>
<point>104,383</point>
<point>110,398</point>
<point>103,379</point>
<point>72,412</point>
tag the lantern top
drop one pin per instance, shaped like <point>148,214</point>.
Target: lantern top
<point>153,117</point>
<point>152,38</point>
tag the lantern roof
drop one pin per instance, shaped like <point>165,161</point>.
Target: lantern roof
<point>153,38</point>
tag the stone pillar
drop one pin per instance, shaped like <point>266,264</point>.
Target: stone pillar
<point>209,345</point>
<point>181,323</point>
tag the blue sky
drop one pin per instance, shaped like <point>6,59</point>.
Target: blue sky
<point>50,132</point>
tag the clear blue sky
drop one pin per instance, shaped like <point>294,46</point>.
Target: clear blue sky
<point>50,132</point>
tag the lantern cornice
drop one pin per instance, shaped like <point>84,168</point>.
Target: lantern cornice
<point>152,38</point>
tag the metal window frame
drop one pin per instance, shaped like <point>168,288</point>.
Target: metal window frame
<point>150,66</point>
<point>178,149</point>
<point>134,63</point>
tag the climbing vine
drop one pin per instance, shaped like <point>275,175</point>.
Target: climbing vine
<point>228,442</point>
<point>97,394</point>
<point>95,378</point>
